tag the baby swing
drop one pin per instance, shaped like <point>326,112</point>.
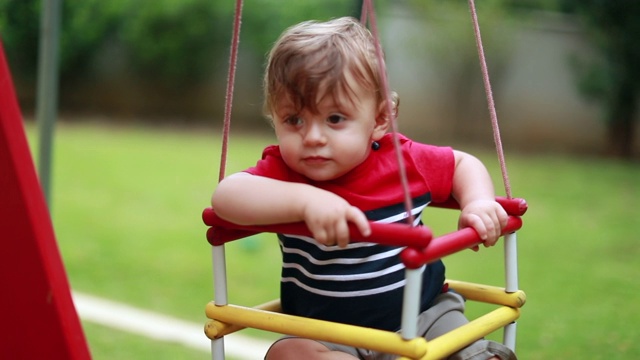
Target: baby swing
<point>420,249</point>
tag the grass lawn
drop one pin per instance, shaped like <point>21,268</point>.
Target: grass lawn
<point>126,209</point>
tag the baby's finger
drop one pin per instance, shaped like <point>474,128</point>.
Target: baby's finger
<point>321,236</point>
<point>493,232</point>
<point>357,217</point>
<point>342,234</point>
<point>478,225</point>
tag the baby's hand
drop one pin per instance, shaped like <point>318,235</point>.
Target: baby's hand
<point>487,217</point>
<point>328,216</point>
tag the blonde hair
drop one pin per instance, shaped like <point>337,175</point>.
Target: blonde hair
<point>313,56</point>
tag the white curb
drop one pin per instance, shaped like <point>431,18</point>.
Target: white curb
<point>162,328</point>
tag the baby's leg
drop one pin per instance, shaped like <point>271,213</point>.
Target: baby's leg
<point>290,348</point>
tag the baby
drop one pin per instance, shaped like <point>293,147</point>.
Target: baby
<point>335,165</point>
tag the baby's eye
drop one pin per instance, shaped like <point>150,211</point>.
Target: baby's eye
<point>293,120</point>
<point>335,119</point>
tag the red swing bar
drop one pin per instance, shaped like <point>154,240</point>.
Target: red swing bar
<point>421,247</point>
<point>449,244</point>
<point>222,231</point>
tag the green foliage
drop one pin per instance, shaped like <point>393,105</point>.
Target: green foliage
<point>19,30</point>
<point>593,77</point>
<point>613,79</point>
<point>613,26</point>
<point>264,20</point>
<point>177,41</point>
<point>85,25</point>
<point>550,5</point>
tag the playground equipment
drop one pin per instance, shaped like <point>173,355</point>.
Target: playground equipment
<point>39,319</point>
<point>420,249</point>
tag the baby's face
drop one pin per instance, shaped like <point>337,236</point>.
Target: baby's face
<point>326,145</point>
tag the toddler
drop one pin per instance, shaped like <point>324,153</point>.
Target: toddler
<point>335,164</point>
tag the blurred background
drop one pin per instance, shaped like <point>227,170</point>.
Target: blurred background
<point>564,72</point>
<point>139,110</point>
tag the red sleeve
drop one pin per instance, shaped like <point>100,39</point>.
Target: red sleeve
<point>437,165</point>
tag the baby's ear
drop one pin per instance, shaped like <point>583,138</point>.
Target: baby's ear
<point>383,119</point>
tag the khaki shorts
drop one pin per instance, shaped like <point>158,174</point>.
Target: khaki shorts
<point>446,314</point>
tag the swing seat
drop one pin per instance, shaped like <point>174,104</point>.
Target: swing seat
<point>421,249</point>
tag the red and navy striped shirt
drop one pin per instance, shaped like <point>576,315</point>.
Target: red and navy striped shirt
<point>363,283</point>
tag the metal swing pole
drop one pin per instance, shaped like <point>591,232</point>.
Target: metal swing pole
<point>47,98</point>
<point>220,293</point>
<point>511,283</point>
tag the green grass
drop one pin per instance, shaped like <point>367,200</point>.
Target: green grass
<point>126,209</point>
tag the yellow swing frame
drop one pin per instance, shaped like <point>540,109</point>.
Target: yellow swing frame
<point>226,319</point>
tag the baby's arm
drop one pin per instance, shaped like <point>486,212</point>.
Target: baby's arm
<point>473,189</point>
<point>247,199</point>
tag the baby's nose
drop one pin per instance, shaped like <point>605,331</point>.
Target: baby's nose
<point>314,135</point>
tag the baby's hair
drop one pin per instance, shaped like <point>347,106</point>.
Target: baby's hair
<point>313,56</point>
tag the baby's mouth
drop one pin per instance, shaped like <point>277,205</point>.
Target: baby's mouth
<point>315,159</point>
